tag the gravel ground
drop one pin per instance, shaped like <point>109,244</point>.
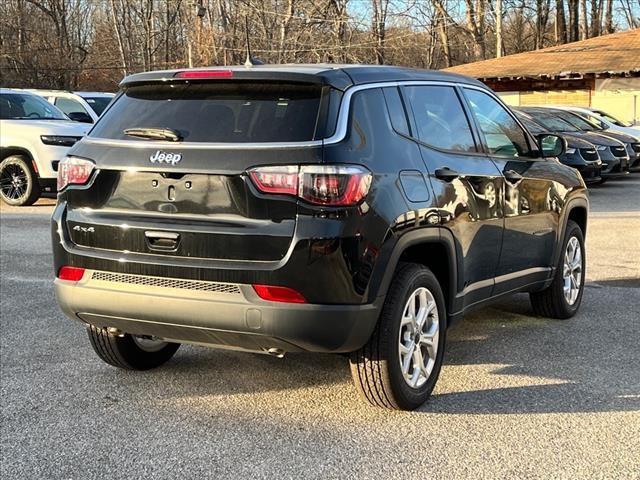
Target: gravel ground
<point>518,397</point>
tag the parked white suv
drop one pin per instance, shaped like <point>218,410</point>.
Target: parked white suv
<point>34,137</point>
<point>78,106</point>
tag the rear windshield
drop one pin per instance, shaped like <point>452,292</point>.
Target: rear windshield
<point>237,112</point>
<point>98,104</point>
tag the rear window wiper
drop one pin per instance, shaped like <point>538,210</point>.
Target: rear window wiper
<point>154,133</point>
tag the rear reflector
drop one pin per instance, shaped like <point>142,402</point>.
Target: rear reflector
<point>279,294</point>
<point>72,274</point>
<point>204,74</point>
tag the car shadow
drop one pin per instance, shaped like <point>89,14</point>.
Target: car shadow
<point>618,283</point>
<point>583,364</point>
<point>499,360</point>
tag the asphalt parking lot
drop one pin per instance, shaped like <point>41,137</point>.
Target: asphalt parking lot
<point>518,397</point>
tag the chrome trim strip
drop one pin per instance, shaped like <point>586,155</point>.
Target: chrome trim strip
<point>521,273</point>
<point>59,217</point>
<point>502,278</point>
<point>489,282</point>
<point>192,145</point>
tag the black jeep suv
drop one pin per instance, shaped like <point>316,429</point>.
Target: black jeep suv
<point>347,209</point>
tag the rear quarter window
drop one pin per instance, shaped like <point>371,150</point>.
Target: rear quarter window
<point>239,112</point>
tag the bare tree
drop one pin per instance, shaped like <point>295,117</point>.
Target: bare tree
<point>498,28</point>
<point>560,24</point>
<point>93,43</point>
<point>574,20</point>
<point>380,9</point>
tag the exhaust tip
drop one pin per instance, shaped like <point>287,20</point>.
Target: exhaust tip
<point>276,352</point>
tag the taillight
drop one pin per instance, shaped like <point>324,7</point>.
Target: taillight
<point>282,179</point>
<point>71,274</point>
<point>74,171</point>
<point>279,294</point>
<point>332,185</point>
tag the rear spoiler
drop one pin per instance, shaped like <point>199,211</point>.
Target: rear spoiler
<point>333,77</point>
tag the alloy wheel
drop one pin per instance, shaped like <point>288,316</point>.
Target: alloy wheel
<point>14,182</point>
<point>572,271</point>
<point>418,337</point>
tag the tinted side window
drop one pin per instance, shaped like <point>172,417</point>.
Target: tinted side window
<point>502,133</point>
<point>396,110</point>
<point>440,118</point>
<point>98,104</point>
<point>68,105</point>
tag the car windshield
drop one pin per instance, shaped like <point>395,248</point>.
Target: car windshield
<point>595,119</point>
<point>533,127</point>
<point>553,123</point>
<point>611,119</point>
<point>98,104</point>
<point>24,106</point>
<point>577,121</point>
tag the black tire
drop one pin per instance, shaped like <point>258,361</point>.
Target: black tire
<point>551,302</point>
<point>376,368</point>
<point>123,351</point>
<point>28,189</point>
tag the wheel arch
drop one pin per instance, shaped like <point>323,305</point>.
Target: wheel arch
<point>9,151</point>
<point>578,214</point>
<point>576,209</point>
<point>434,248</point>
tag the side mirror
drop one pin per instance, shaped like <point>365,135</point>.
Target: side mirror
<point>551,145</point>
<point>80,117</point>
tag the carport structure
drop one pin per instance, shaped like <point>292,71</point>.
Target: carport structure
<point>602,72</point>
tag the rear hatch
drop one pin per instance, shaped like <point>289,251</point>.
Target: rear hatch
<point>190,195</point>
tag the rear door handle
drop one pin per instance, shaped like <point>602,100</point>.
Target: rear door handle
<point>512,176</point>
<point>163,241</point>
<point>446,174</point>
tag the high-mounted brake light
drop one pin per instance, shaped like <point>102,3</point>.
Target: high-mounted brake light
<point>204,74</point>
<point>331,185</point>
<point>71,274</point>
<point>279,294</point>
<point>74,171</point>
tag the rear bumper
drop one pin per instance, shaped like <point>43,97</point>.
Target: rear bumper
<point>48,185</point>
<point>211,313</point>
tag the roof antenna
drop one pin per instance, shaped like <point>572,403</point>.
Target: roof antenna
<point>249,61</point>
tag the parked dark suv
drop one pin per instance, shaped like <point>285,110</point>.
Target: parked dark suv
<point>346,209</point>
<point>579,154</point>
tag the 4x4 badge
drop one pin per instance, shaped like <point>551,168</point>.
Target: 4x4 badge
<point>164,157</point>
